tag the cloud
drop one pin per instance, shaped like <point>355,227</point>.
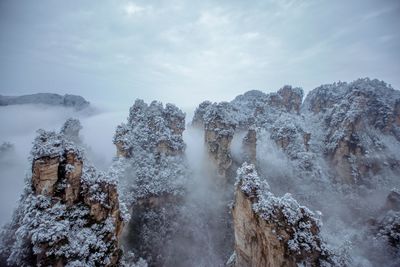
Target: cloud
<point>132,9</point>
<point>185,52</point>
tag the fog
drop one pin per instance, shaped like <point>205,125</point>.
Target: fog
<point>205,236</point>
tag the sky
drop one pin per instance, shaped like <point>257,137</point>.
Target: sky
<point>183,52</point>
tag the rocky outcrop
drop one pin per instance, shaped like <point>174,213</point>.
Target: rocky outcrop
<point>355,116</point>
<point>74,101</point>
<point>351,127</point>
<point>252,110</point>
<point>152,171</point>
<point>69,213</point>
<point>219,124</point>
<point>290,98</point>
<point>151,128</point>
<point>70,130</point>
<point>273,231</point>
<point>219,130</point>
<point>198,118</point>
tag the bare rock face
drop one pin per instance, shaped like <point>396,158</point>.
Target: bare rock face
<point>219,122</point>
<point>291,98</point>
<point>151,167</point>
<point>45,175</point>
<point>219,131</point>
<point>68,215</point>
<point>273,231</point>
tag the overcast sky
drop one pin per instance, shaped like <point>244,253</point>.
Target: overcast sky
<point>187,51</point>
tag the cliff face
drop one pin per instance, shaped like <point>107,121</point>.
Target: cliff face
<point>338,152</point>
<point>246,112</point>
<point>69,213</point>
<point>219,130</point>
<point>152,171</point>
<point>359,119</point>
<point>75,101</point>
<point>351,126</point>
<point>273,231</point>
<point>342,142</point>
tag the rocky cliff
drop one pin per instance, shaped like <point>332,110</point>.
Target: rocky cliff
<point>358,120</point>
<point>152,170</point>
<point>351,126</point>
<point>221,121</point>
<point>273,231</point>
<point>69,213</point>
<point>341,143</point>
<point>75,101</point>
<point>337,152</point>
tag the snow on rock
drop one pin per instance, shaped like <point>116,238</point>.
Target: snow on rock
<point>351,129</point>
<point>152,170</point>
<point>357,120</point>
<point>150,151</point>
<point>274,231</point>
<point>71,129</point>
<point>69,212</point>
<point>252,110</point>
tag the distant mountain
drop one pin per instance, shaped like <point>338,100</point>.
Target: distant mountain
<point>75,101</point>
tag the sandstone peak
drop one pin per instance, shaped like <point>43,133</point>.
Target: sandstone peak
<point>69,213</point>
<point>273,231</point>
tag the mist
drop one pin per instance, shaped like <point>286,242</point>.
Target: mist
<point>205,237</point>
<point>346,212</point>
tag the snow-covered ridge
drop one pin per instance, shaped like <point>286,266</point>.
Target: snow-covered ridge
<point>75,101</point>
